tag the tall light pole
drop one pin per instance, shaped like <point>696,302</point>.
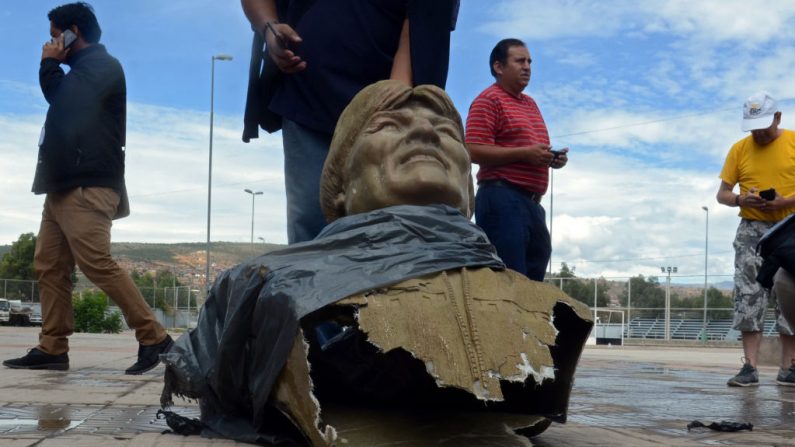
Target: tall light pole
<point>219,57</point>
<point>668,269</point>
<point>706,252</point>
<point>253,194</point>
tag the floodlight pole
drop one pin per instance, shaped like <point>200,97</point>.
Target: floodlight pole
<point>706,253</point>
<point>668,269</point>
<point>253,195</point>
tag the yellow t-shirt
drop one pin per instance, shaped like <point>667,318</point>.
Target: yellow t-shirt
<point>763,167</point>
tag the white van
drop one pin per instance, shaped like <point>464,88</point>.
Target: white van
<point>5,311</point>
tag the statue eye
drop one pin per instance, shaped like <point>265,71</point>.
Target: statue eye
<point>383,123</point>
<point>449,130</point>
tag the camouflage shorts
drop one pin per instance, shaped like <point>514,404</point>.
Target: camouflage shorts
<point>750,298</point>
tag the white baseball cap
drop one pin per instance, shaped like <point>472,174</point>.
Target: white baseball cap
<point>758,111</point>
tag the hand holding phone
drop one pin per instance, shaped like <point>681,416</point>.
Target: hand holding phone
<point>280,41</point>
<point>559,158</point>
<point>58,47</point>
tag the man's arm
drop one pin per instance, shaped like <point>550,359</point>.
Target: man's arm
<point>727,197</point>
<point>264,19</point>
<point>491,155</point>
<point>401,64</point>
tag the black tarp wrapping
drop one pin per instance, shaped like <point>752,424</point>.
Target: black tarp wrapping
<point>248,324</point>
<point>777,249</point>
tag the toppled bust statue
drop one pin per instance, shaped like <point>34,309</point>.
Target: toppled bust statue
<point>400,305</point>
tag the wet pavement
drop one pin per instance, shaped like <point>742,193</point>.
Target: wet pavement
<point>630,396</point>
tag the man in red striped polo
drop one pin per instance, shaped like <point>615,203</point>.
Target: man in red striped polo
<point>506,135</point>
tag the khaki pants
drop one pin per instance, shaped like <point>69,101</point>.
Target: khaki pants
<point>75,228</point>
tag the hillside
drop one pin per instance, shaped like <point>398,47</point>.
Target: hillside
<point>186,260</point>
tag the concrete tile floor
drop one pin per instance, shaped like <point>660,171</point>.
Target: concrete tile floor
<point>623,396</point>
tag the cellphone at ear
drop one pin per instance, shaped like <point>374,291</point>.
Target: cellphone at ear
<point>68,38</point>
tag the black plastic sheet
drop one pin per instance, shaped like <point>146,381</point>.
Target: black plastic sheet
<point>725,426</point>
<point>249,322</point>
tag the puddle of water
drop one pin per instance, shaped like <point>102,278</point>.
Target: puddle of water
<point>45,424</point>
<point>48,418</point>
<point>55,418</point>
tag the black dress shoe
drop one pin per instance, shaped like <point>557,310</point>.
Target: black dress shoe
<point>149,356</point>
<point>36,359</point>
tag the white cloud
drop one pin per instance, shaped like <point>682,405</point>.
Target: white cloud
<point>742,21</point>
<point>166,173</point>
<point>609,208</point>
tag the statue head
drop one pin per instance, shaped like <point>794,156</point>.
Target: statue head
<point>397,145</point>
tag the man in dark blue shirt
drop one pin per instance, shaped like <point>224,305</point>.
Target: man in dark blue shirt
<point>326,51</point>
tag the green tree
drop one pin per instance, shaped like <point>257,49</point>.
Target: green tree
<point>91,313</point>
<point>646,293</point>
<point>154,286</point>
<point>18,262</point>
<point>581,289</point>
<point>719,300</point>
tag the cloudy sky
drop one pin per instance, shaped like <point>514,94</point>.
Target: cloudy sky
<point>647,95</point>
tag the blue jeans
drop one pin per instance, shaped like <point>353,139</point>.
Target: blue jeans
<point>305,152</point>
<point>516,226</point>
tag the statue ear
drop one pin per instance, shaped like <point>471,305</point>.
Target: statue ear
<point>339,205</point>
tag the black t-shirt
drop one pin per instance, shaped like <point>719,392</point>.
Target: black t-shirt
<point>349,44</point>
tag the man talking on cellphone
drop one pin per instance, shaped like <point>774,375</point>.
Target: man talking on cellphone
<point>506,135</point>
<point>81,170</point>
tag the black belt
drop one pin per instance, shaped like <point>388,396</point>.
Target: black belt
<point>534,196</point>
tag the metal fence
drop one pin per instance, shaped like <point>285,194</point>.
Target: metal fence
<point>178,307</point>
<point>175,307</point>
<point>18,289</point>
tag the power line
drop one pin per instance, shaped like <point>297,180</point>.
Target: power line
<point>602,261</point>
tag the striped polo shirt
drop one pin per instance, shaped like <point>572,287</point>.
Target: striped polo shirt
<point>497,118</point>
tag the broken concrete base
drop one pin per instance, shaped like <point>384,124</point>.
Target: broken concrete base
<point>436,352</point>
<point>366,426</point>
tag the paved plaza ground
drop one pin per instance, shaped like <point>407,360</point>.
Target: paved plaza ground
<point>623,396</point>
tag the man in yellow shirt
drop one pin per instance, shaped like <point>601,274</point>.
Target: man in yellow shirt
<point>763,164</point>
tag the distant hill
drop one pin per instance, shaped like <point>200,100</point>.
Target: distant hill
<point>226,252</point>
<point>186,260</point>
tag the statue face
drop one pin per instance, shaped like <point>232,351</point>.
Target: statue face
<point>408,156</point>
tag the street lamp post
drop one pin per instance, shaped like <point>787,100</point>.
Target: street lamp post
<point>253,194</point>
<point>668,269</point>
<point>219,57</point>
<point>706,252</point>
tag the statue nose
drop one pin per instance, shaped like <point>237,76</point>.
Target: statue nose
<point>423,129</point>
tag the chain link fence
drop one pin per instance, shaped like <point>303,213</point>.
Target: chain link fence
<point>175,307</point>
<point>612,301</point>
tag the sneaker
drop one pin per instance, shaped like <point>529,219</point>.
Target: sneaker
<point>748,376</point>
<point>36,359</point>
<point>786,377</point>
<point>149,356</point>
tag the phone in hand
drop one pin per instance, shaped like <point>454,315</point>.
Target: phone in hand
<point>768,194</point>
<point>68,38</point>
